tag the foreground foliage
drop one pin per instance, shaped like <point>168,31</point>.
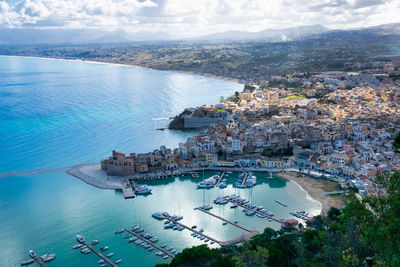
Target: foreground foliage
<point>367,228</point>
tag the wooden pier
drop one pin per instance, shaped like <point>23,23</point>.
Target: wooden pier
<point>99,254</point>
<point>256,211</point>
<point>195,231</point>
<point>39,261</point>
<point>220,178</point>
<point>245,178</point>
<point>151,243</point>
<point>223,219</point>
<point>127,189</point>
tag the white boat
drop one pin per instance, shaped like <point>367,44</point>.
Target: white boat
<point>104,248</point>
<point>165,257</point>
<point>80,238</point>
<point>101,261</point>
<point>157,215</point>
<point>27,262</point>
<point>77,246</point>
<point>206,207</point>
<point>32,254</point>
<point>95,242</point>
<point>177,218</point>
<point>48,257</point>
<point>109,255</point>
<point>118,261</point>
<point>120,231</point>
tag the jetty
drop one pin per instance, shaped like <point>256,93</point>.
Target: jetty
<point>245,178</point>
<point>39,261</point>
<point>223,219</point>
<point>220,178</point>
<point>256,211</point>
<point>195,231</point>
<point>150,243</point>
<point>283,204</point>
<point>240,238</point>
<point>98,253</point>
<point>127,189</point>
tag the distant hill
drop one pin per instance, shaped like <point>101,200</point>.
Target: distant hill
<point>267,34</point>
<point>10,36</point>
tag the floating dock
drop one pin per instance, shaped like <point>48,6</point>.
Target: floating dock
<point>127,189</point>
<point>256,211</point>
<point>220,178</point>
<point>223,219</point>
<point>245,178</point>
<point>283,204</point>
<point>195,231</point>
<point>151,243</point>
<point>39,261</point>
<point>98,253</point>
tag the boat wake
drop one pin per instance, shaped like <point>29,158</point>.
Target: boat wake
<point>161,119</point>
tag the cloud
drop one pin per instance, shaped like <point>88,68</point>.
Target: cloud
<point>190,18</point>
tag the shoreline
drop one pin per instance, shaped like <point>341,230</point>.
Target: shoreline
<point>315,189</point>
<point>209,76</point>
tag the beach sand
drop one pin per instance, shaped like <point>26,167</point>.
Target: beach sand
<point>317,188</point>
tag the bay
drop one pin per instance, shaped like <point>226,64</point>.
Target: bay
<point>57,113</point>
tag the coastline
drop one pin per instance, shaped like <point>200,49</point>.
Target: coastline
<point>316,189</point>
<point>209,76</point>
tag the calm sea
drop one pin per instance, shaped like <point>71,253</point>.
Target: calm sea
<point>56,113</point>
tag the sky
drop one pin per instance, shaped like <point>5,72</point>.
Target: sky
<point>189,18</point>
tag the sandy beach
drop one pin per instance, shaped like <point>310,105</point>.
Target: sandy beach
<point>316,189</point>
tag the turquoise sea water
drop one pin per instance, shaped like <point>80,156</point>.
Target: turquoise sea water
<point>56,113</point>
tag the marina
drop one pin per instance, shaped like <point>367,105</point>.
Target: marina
<point>253,210</point>
<point>195,231</point>
<point>106,259</point>
<point>166,252</point>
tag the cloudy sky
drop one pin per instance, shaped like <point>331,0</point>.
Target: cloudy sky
<point>184,18</point>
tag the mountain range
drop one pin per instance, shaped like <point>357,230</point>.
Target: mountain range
<point>25,36</point>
